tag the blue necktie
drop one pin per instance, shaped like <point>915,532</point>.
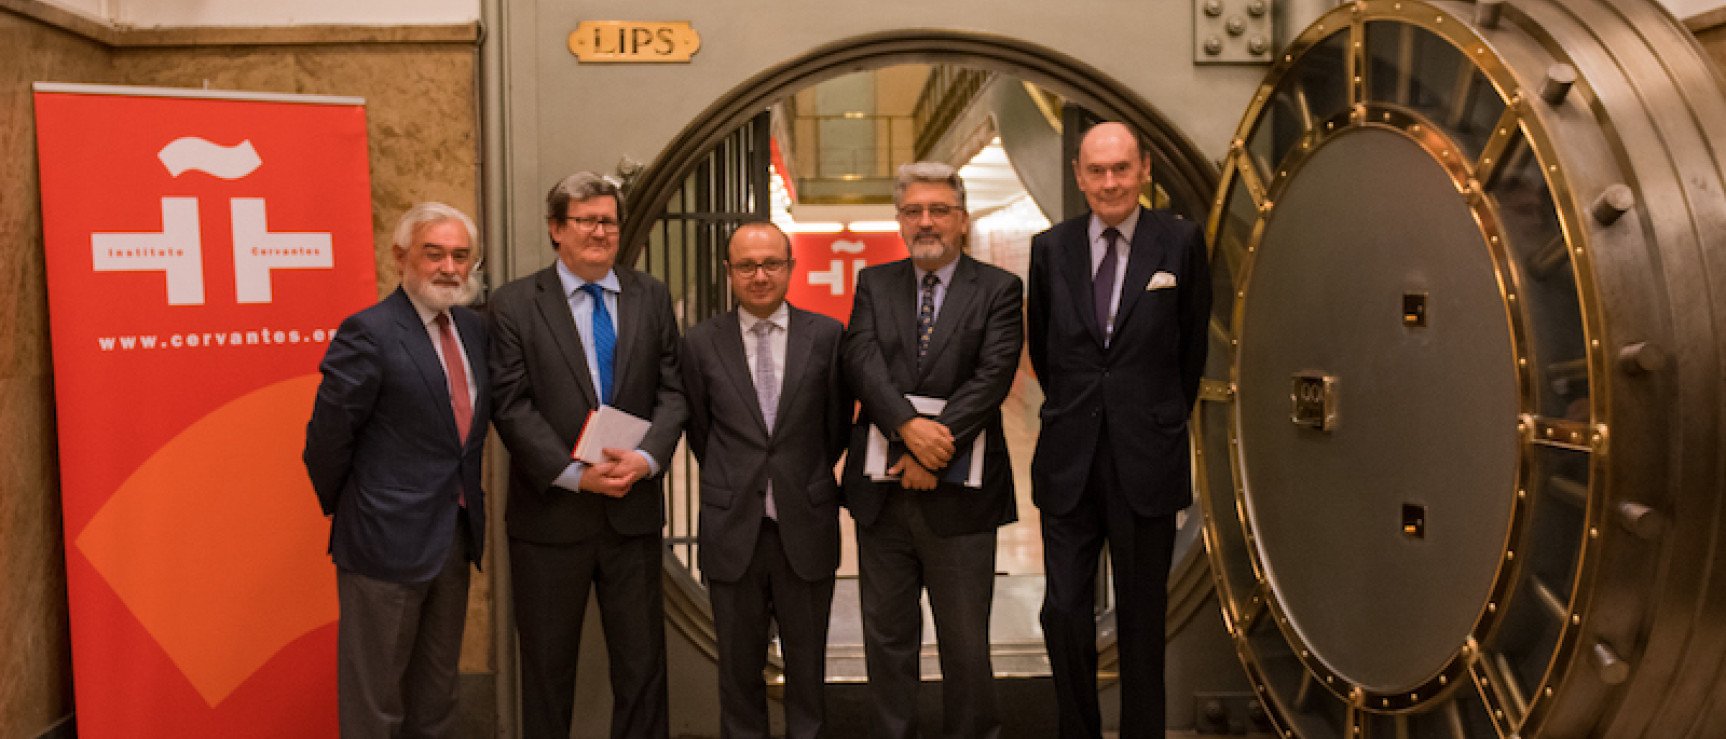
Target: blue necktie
<point>604,340</point>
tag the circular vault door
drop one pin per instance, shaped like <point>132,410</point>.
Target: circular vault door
<point>1464,392</point>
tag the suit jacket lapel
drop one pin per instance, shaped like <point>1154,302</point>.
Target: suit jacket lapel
<point>953,306</point>
<point>728,345</point>
<point>798,345</point>
<point>417,343</point>
<point>1076,263</point>
<point>631,306</point>
<point>1142,262</point>
<point>901,323</point>
<point>560,323</point>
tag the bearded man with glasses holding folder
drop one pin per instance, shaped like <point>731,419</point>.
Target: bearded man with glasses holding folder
<point>931,350</point>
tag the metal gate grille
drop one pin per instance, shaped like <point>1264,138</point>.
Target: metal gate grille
<point>686,249</point>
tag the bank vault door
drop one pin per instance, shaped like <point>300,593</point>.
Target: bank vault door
<point>1461,428</point>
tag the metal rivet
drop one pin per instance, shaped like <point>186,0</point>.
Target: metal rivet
<point>1559,78</point>
<point>1258,45</point>
<point>1256,8</point>
<point>1235,26</point>
<point>1213,46</point>
<point>1213,8</point>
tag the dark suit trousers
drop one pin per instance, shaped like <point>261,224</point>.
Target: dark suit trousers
<point>551,583</point>
<point>897,558</point>
<point>770,591</point>
<point>1139,550</point>
<point>397,650</point>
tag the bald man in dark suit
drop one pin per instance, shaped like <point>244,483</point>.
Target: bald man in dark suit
<point>768,412</point>
<point>1116,316</point>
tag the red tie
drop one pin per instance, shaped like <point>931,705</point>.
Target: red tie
<point>457,374</point>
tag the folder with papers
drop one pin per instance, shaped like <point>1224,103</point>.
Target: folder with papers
<point>608,428</point>
<point>966,467</point>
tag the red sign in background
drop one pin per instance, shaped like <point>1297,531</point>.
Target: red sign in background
<point>200,252</point>
<point>827,265</point>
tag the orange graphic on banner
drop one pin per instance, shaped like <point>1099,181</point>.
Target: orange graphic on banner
<point>209,550</point>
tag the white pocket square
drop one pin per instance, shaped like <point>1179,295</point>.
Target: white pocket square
<point>1161,280</point>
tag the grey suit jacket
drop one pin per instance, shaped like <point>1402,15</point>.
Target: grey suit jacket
<point>738,455</point>
<point>1142,385</point>
<point>972,357</point>
<point>381,446</point>
<point>543,392</point>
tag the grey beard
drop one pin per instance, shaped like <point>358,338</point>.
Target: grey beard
<point>440,298</point>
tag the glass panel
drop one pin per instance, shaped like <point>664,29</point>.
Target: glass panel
<point>1412,68</point>
<point>1549,301</point>
<point>1309,94</point>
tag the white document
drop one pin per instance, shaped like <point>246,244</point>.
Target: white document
<point>609,428</point>
<point>875,462</point>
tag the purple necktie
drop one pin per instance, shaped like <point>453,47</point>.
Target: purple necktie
<point>1103,286</point>
<point>766,392</point>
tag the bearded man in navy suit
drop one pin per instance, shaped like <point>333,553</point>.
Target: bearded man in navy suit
<point>393,450</point>
<point>1116,315</point>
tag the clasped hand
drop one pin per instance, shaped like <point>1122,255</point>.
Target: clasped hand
<point>616,474</point>
<point>929,441</point>
<point>912,476</point>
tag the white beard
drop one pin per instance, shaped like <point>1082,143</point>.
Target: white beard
<point>439,298</point>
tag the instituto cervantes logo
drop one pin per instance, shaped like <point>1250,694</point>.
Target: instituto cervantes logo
<point>177,249</point>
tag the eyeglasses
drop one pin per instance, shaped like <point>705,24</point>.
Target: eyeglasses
<point>937,211</point>
<point>588,223</point>
<point>771,267</point>
<point>437,255</point>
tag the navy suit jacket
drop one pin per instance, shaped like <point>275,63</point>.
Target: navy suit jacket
<point>382,449</point>
<point>1142,386</point>
<point>543,393</point>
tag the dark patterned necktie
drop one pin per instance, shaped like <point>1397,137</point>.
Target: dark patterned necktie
<point>1103,286</point>
<point>926,316</point>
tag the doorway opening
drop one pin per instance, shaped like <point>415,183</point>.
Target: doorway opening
<point>814,144</point>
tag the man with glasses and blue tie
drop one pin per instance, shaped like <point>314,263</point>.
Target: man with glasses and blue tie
<point>939,329</point>
<point>768,412</point>
<point>584,333</point>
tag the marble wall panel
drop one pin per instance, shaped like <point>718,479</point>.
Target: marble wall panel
<point>35,669</point>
